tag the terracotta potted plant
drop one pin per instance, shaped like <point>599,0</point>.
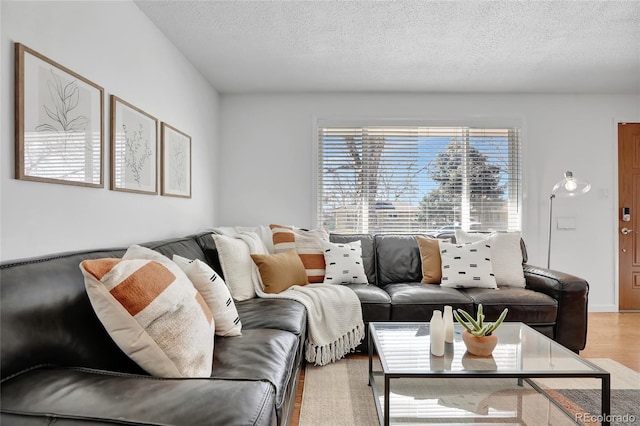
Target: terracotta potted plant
<point>478,336</point>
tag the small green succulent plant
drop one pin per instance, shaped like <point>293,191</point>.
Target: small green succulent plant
<point>477,326</point>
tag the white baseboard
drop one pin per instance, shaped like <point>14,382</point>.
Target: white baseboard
<point>603,308</point>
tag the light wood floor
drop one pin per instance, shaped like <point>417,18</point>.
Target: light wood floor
<point>616,336</point>
<point>609,335</point>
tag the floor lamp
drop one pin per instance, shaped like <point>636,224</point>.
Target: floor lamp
<point>567,187</point>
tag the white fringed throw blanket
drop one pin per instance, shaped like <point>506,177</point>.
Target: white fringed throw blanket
<point>334,314</point>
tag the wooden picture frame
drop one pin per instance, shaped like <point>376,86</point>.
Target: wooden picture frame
<point>134,149</point>
<point>59,122</point>
<point>176,162</point>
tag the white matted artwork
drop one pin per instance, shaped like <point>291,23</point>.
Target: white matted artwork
<point>58,122</point>
<point>134,149</point>
<point>176,162</point>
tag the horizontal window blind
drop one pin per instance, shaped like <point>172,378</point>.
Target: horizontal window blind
<point>412,179</point>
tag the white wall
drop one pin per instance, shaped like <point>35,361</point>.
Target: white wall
<point>267,144</point>
<point>260,147</point>
<point>114,45</point>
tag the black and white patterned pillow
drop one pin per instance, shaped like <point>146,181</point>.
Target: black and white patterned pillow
<point>344,263</point>
<point>467,265</point>
<point>215,293</point>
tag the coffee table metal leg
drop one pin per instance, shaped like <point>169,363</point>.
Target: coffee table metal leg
<point>606,399</point>
<point>386,399</point>
<point>370,343</point>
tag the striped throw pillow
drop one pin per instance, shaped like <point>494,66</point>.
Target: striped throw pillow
<point>153,313</point>
<point>308,245</point>
<point>215,292</point>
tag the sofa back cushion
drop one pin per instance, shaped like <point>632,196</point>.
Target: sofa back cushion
<point>398,258</point>
<point>368,252</point>
<point>208,245</point>
<point>46,316</point>
<point>452,237</point>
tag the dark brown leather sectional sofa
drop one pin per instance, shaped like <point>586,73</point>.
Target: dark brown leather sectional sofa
<point>58,364</point>
<point>553,303</point>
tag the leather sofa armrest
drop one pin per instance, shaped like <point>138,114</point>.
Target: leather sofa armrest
<point>572,293</point>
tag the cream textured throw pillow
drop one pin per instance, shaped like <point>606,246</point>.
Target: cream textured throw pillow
<point>153,313</point>
<point>237,266</point>
<point>467,265</point>
<point>308,244</point>
<point>215,292</point>
<point>344,263</point>
<point>506,255</point>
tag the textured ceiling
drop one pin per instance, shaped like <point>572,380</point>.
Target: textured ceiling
<point>426,46</point>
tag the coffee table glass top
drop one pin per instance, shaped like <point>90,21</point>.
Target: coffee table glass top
<point>410,386</point>
<point>404,348</point>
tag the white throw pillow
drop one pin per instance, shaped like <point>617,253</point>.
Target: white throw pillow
<point>152,312</point>
<point>237,266</point>
<point>215,292</point>
<point>506,255</point>
<point>467,265</point>
<point>263,231</point>
<point>344,263</point>
<point>463,237</point>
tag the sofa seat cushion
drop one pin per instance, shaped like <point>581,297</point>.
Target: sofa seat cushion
<point>375,302</point>
<point>85,396</point>
<point>524,305</point>
<point>369,293</point>
<point>415,301</point>
<point>278,314</point>
<point>266,355</point>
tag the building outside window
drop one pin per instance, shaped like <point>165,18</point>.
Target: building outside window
<point>415,179</point>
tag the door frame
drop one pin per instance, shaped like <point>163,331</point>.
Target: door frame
<point>616,214</point>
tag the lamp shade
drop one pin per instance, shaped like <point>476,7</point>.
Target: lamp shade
<point>570,186</point>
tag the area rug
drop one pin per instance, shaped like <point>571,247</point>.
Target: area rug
<point>338,394</point>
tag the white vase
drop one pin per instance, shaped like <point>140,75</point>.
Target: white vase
<point>448,324</point>
<point>436,333</point>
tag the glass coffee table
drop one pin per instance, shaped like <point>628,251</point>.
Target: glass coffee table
<point>410,386</point>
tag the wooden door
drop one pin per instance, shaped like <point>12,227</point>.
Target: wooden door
<point>629,231</point>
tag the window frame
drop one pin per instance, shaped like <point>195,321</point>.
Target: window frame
<point>471,122</point>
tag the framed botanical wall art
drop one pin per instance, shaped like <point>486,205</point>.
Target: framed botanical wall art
<point>134,149</point>
<point>59,118</point>
<point>176,162</point>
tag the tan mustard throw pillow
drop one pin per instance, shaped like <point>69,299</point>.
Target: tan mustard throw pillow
<point>431,261</point>
<point>153,313</point>
<point>280,271</point>
<point>308,245</point>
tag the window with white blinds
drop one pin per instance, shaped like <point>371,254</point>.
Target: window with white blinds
<point>382,179</point>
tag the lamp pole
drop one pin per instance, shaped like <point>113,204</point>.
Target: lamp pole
<point>551,197</point>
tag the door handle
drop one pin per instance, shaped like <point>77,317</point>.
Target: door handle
<point>626,231</point>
